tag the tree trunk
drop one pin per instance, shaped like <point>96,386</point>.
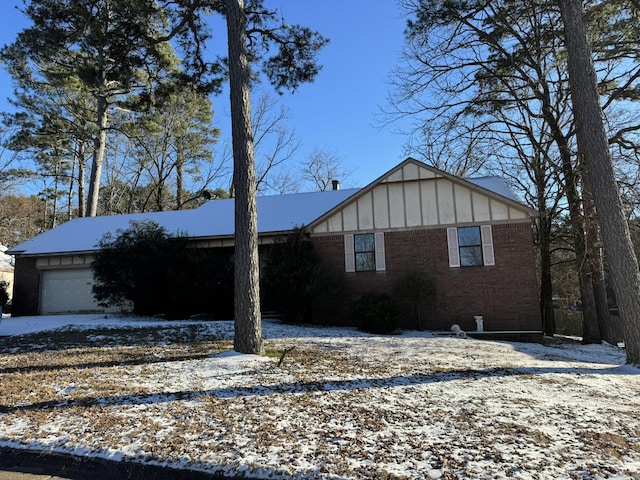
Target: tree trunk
<point>56,193</point>
<point>72,178</point>
<point>100,144</point>
<point>599,175</point>
<point>590,321</point>
<point>179,181</point>
<point>590,333</point>
<point>248,330</point>
<point>82,210</point>
<point>605,322</point>
<point>546,285</point>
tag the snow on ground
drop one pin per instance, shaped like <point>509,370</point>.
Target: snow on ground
<point>341,405</point>
<point>25,325</point>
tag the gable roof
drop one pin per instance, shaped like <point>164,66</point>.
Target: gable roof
<point>214,219</point>
<point>414,194</point>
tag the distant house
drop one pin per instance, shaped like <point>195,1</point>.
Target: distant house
<point>472,236</point>
<point>6,269</point>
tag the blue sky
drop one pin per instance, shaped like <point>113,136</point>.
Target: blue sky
<point>339,112</point>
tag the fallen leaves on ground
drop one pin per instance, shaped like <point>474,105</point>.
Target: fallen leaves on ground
<point>342,404</point>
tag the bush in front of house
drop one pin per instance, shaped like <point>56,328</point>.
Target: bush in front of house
<point>296,283</point>
<point>159,274</point>
<point>134,266</point>
<point>414,291</point>
<point>377,313</point>
<point>206,282</point>
<point>4,294</point>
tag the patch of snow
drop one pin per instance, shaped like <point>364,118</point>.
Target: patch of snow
<point>65,390</point>
<point>353,405</point>
<point>24,325</point>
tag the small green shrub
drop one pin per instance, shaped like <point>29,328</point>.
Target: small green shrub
<point>414,291</point>
<point>377,313</point>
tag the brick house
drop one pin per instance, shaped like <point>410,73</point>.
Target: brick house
<point>472,236</point>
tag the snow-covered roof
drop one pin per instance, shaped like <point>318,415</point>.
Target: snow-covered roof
<point>6,261</point>
<point>496,185</point>
<point>214,219</point>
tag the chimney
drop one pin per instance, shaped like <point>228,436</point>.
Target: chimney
<point>335,184</point>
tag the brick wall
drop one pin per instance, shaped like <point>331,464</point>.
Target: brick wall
<point>506,294</point>
<point>26,287</point>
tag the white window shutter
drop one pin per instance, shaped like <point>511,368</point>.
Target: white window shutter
<point>452,241</point>
<point>349,254</point>
<point>487,245</point>
<point>381,264</point>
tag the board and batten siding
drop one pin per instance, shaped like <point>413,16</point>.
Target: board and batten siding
<point>418,197</point>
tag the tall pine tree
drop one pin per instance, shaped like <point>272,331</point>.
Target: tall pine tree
<point>113,48</point>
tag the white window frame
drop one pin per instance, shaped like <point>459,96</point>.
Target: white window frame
<point>486,236</point>
<point>381,264</point>
<point>350,255</point>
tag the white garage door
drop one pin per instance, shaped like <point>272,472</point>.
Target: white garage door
<point>67,291</point>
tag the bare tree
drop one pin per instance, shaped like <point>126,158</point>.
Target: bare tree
<point>453,148</point>
<point>593,146</point>
<point>275,145</point>
<point>10,171</point>
<point>21,218</point>
<point>321,167</point>
<point>473,66</point>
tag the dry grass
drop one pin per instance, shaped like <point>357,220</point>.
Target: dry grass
<point>35,368</point>
<point>110,390</point>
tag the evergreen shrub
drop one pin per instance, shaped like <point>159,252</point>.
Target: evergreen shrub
<point>4,294</point>
<point>158,274</point>
<point>296,283</point>
<point>377,313</point>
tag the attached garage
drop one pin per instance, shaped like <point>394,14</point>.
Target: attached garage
<point>67,290</point>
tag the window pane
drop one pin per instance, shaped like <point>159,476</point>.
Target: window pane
<point>471,256</point>
<point>364,242</point>
<point>364,247</point>
<point>365,262</point>
<point>469,236</point>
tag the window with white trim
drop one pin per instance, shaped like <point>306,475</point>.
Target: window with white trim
<point>364,252</point>
<point>364,247</point>
<point>470,246</point>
